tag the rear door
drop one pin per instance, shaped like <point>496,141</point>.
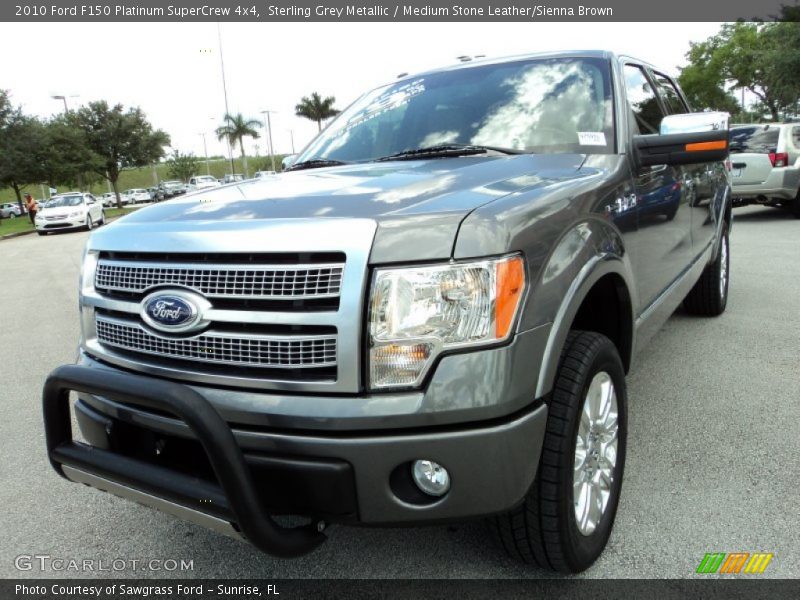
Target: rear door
<point>702,183</point>
<point>751,146</point>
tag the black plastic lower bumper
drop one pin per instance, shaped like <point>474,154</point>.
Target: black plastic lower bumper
<point>234,497</point>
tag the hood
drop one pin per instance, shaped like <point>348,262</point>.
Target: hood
<point>60,210</point>
<point>368,190</point>
<point>404,198</point>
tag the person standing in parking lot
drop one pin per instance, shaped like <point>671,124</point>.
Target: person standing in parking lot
<point>32,207</point>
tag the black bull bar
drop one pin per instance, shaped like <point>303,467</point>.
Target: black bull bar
<point>234,498</point>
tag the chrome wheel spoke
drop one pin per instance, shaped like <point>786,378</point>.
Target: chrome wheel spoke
<point>595,452</point>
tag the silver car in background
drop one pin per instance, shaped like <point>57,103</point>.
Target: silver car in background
<point>10,210</point>
<point>765,165</point>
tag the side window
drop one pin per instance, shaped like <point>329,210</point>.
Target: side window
<point>643,102</point>
<point>796,137</point>
<point>670,95</point>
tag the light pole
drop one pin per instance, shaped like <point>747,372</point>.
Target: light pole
<point>268,127</point>
<point>291,137</point>
<point>224,91</point>
<point>64,98</point>
<point>205,150</point>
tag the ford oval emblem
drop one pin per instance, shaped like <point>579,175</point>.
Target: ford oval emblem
<point>172,311</point>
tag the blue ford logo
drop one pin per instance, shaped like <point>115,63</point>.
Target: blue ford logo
<point>170,312</point>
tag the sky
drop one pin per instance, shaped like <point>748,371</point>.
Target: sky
<point>172,70</point>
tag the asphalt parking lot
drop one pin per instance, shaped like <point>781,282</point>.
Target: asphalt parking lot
<point>712,453</point>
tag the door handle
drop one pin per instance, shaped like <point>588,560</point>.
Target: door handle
<point>622,203</point>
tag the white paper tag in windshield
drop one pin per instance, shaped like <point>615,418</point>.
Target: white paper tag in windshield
<point>591,138</point>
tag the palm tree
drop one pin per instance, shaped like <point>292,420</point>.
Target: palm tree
<point>236,128</point>
<point>315,108</point>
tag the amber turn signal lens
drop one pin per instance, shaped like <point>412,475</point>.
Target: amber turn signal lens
<point>701,146</point>
<point>510,284</point>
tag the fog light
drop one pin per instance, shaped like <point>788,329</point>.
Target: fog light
<point>430,477</point>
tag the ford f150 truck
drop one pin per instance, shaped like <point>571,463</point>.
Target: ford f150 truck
<point>429,317</point>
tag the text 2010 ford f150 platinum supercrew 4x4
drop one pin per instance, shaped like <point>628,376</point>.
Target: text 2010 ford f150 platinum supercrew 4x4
<point>428,318</point>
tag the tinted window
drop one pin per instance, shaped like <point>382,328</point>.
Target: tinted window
<point>796,136</point>
<point>642,99</point>
<point>544,105</point>
<point>670,96</point>
<point>759,139</point>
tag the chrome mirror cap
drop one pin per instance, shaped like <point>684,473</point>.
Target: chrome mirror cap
<point>694,122</point>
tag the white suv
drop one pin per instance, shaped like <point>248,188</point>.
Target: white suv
<point>137,195</point>
<point>202,182</point>
<point>70,211</point>
<point>765,165</point>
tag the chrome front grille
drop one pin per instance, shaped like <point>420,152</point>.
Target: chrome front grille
<point>224,348</point>
<point>282,310</point>
<point>267,282</point>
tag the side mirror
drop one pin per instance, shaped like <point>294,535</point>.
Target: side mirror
<point>288,161</point>
<point>685,139</point>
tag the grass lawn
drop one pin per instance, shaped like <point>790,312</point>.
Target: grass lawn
<point>24,224</point>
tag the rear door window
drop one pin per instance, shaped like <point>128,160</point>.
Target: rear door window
<point>670,95</point>
<point>755,139</point>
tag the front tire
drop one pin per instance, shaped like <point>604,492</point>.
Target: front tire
<point>89,224</point>
<point>709,296</point>
<point>566,518</point>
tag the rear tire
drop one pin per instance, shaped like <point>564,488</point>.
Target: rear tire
<point>795,207</point>
<point>553,527</point>
<point>709,296</point>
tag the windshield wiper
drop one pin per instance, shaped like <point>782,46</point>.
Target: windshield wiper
<point>316,163</point>
<point>445,150</point>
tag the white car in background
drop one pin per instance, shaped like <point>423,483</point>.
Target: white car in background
<point>263,174</point>
<point>137,195</point>
<point>10,210</point>
<point>765,165</point>
<point>72,210</point>
<point>202,182</point>
<point>109,199</point>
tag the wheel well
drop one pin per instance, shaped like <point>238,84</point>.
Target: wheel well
<point>606,309</point>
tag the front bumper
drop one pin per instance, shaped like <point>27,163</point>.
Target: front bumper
<point>251,473</point>
<point>70,223</point>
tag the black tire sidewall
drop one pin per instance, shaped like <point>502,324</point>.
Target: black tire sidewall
<point>580,550</point>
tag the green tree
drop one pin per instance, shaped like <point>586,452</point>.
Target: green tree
<point>65,157</point>
<point>182,166</point>
<point>703,83</point>
<point>316,108</point>
<point>759,57</point>
<point>120,139</point>
<point>236,128</point>
<point>21,140</point>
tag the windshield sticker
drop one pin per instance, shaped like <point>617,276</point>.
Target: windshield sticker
<point>591,138</point>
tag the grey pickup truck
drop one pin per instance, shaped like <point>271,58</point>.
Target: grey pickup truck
<point>428,317</point>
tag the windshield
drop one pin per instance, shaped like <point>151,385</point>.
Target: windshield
<point>540,105</point>
<point>65,201</point>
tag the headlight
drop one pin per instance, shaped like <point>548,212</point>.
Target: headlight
<point>74,213</point>
<point>416,313</point>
